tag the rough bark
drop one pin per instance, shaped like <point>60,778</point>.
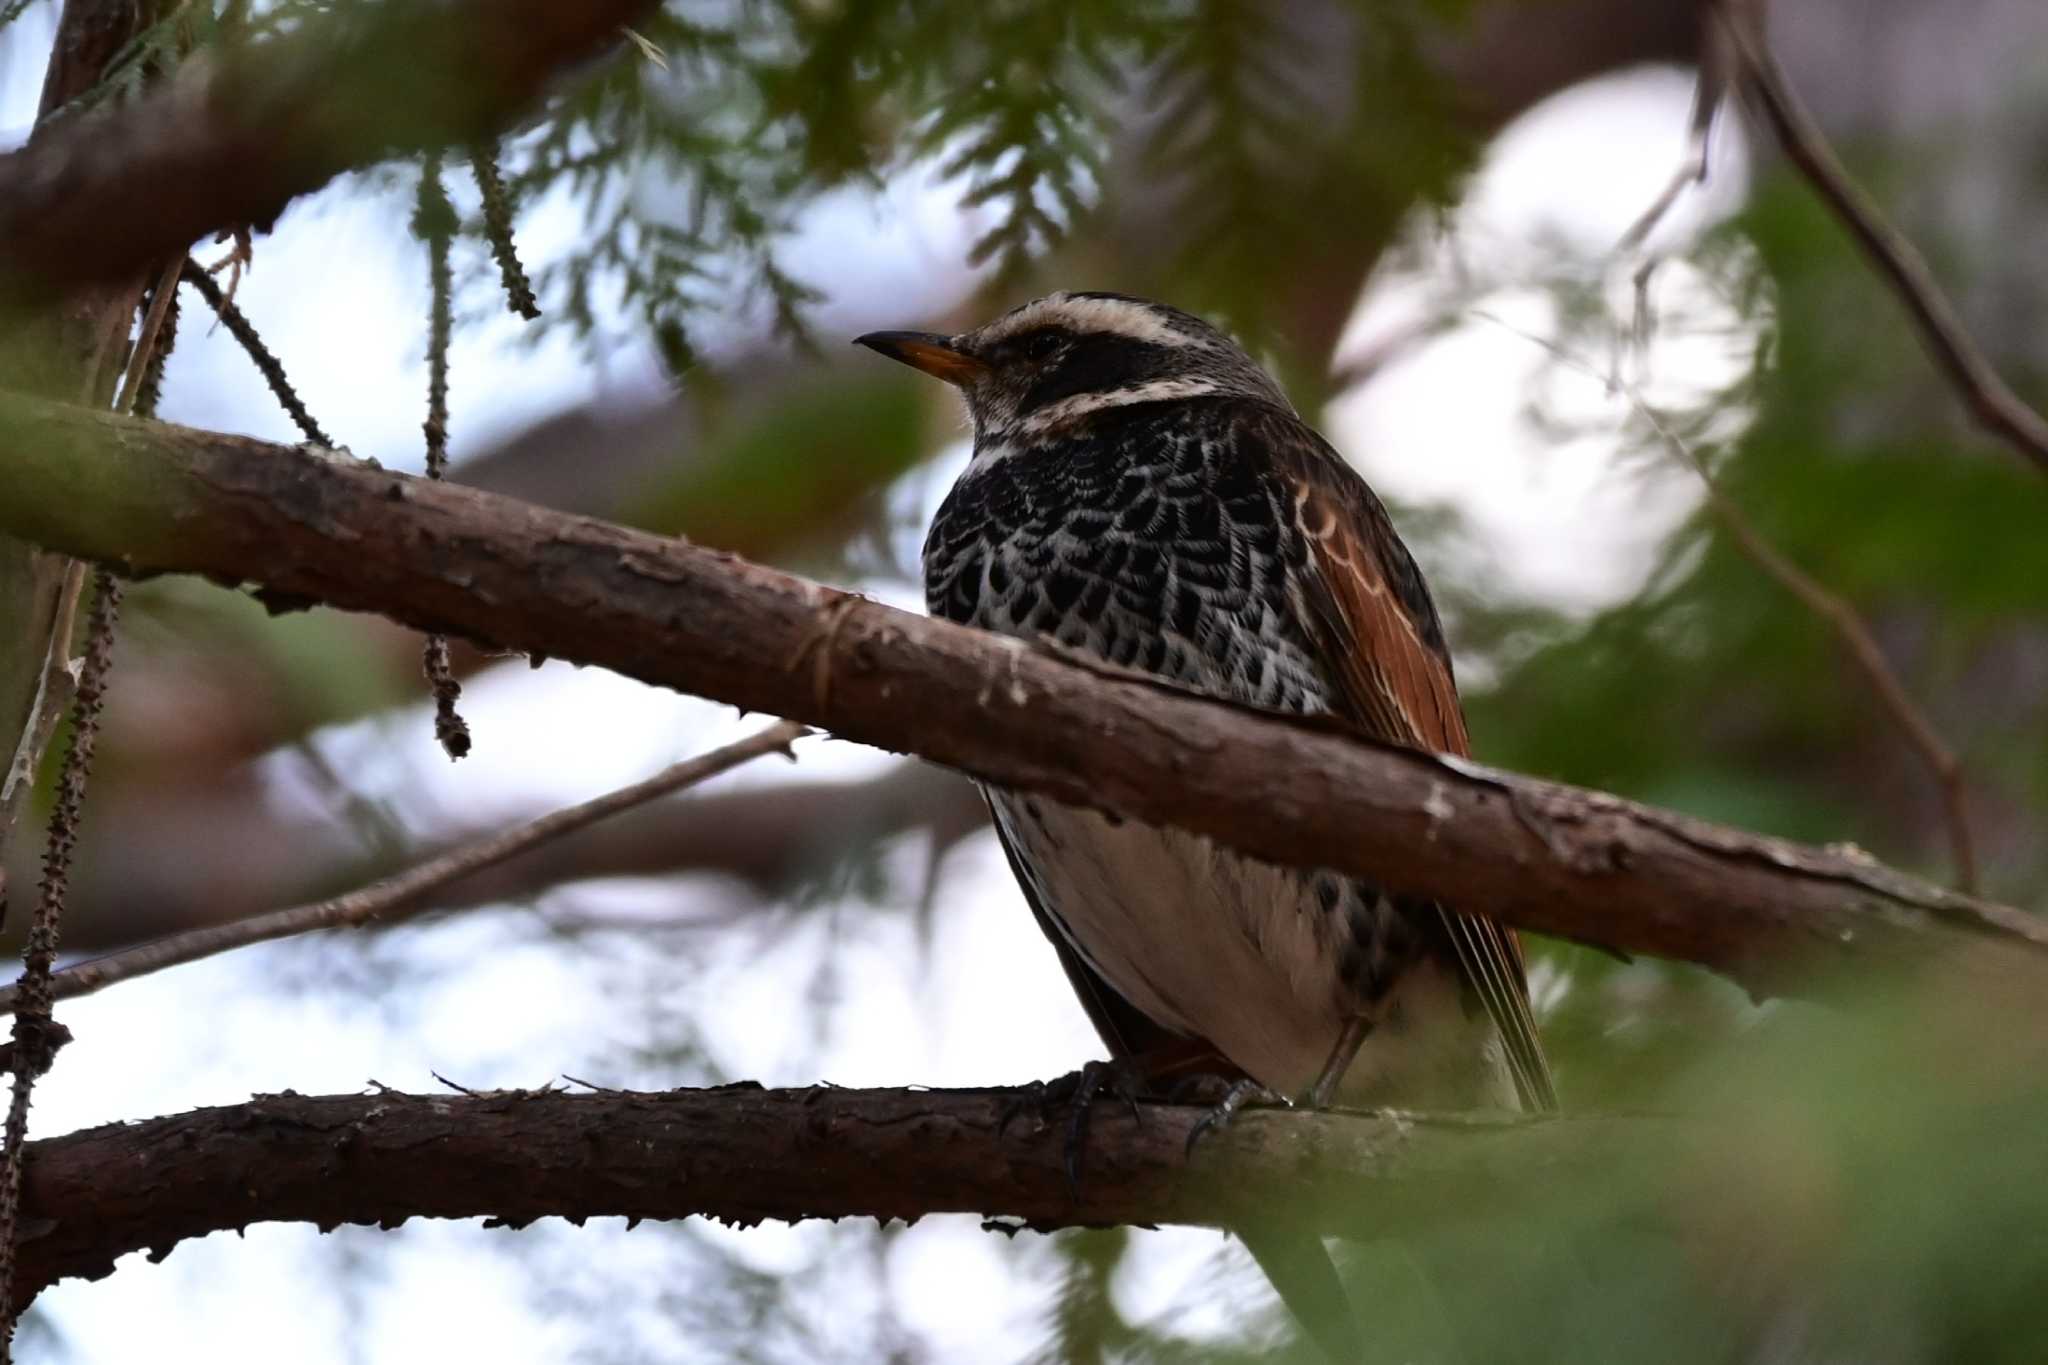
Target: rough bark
<point>236,136</point>
<point>1581,864</point>
<point>743,1154</point>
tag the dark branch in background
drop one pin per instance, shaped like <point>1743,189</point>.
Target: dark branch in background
<point>1579,864</point>
<point>750,847</point>
<point>433,222</point>
<point>498,230</point>
<point>242,330</point>
<point>405,890</point>
<point>1829,606</point>
<point>237,137</point>
<point>743,1154</point>
<point>770,841</point>
<point>1995,406</point>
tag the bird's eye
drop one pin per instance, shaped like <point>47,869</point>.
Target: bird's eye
<point>1042,345</point>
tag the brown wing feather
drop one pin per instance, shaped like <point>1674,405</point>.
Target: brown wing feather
<point>1364,599</point>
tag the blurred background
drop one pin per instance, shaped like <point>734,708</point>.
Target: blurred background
<point>1420,212</point>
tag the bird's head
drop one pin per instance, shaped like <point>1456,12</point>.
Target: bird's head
<point>1053,362</point>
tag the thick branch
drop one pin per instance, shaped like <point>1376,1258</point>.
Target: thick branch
<point>235,137</point>
<point>1560,860</point>
<point>740,1153</point>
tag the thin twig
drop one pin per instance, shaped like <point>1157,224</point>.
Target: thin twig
<point>151,393</point>
<point>1706,101</point>
<point>404,889</point>
<point>35,1036</point>
<point>1856,638</point>
<point>1995,406</point>
<point>241,256</point>
<point>1715,60</point>
<point>1822,602</point>
<point>498,231</point>
<point>434,222</point>
<point>242,331</point>
<point>145,355</point>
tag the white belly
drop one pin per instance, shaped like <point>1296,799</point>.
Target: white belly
<point>1237,952</point>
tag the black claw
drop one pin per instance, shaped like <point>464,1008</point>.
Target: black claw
<point>1070,1157</point>
<point>1220,1114</point>
<point>1031,1097</point>
<point>1089,1082</point>
<point>1077,1092</point>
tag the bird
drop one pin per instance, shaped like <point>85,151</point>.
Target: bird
<point>1142,493</point>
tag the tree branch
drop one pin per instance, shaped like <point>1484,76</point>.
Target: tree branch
<point>1995,406</point>
<point>1828,606</point>
<point>1584,865</point>
<point>405,890</point>
<point>742,1154</point>
<point>239,133</point>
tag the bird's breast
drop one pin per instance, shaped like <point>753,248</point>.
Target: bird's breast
<point>1265,963</point>
<point>1164,549</point>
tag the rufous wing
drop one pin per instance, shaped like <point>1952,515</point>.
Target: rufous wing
<point>1371,618</point>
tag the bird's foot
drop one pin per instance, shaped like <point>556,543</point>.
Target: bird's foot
<point>1034,1099</point>
<point>1121,1081</point>
<point>1240,1094</point>
<point>1076,1093</point>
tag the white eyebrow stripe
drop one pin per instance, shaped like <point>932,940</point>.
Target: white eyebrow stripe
<point>1152,391</point>
<point>1132,320</point>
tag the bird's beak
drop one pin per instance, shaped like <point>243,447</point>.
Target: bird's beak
<point>928,351</point>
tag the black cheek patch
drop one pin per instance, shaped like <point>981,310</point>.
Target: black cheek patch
<point>1097,364</point>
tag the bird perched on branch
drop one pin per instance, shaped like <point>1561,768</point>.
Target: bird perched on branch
<point>1143,493</point>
